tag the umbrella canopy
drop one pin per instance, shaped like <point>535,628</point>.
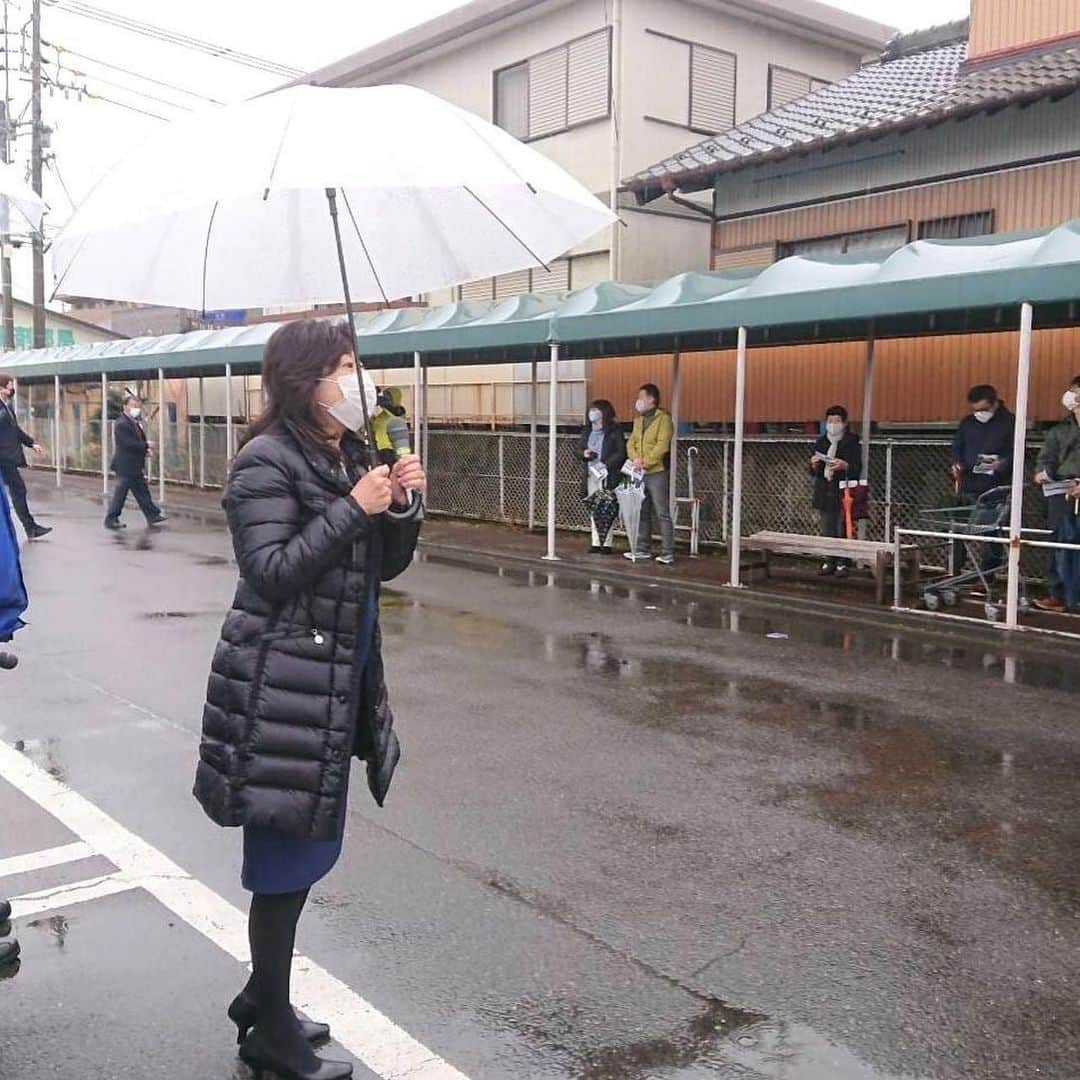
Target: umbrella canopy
<point>21,208</point>
<point>229,209</point>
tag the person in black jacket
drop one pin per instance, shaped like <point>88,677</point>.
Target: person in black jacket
<point>129,464</point>
<point>837,456</point>
<point>601,440</point>
<point>982,454</point>
<point>296,687</point>
<point>13,445</point>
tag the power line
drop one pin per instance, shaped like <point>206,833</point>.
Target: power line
<point>121,86</point>
<point>61,49</point>
<point>173,37</point>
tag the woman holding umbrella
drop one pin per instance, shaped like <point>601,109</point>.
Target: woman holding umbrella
<point>296,686</point>
<point>602,447</point>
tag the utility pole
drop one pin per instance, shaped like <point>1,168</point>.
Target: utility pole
<point>36,164</point>
<point>5,239</point>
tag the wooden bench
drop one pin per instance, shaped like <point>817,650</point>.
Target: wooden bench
<point>879,556</point>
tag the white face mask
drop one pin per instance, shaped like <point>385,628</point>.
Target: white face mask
<point>594,416</point>
<point>134,413</point>
<point>349,411</point>
<point>641,406</point>
<point>835,429</point>
<point>1071,400</point>
<point>984,416</point>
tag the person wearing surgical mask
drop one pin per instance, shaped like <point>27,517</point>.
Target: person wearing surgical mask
<point>1059,459</point>
<point>837,456</point>
<point>131,449</point>
<point>649,447</point>
<point>297,689</point>
<point>982,454</point>
<point>601,442</point>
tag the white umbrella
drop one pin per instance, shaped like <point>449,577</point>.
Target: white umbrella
<point>21,208</point>
<point>631,497</point>
<point>229,209</point>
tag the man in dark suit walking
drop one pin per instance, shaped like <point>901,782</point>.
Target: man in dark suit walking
<point>13,444</point>
<point>129,464</point>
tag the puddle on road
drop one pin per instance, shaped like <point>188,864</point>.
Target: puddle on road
<point>44,753</point>
<point>55,926</point>
<point>902,645</point>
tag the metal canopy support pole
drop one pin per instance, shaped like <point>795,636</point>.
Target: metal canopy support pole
<point>867,417</point>
<point>553,423</point>
<point>532,448</point>
<point>104,433</point>
<point>228,418</point>
<point>418,414</point>
<point>426,452</point>
<point>736,495</point>
<point>56,428</point>
<point>676,402</point>
<point>161,434</point>
<point>1016,508</point>
<point>202,433</point>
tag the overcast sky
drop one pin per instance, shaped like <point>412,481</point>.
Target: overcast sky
<point>90,134</point>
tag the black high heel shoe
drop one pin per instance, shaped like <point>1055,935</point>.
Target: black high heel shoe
<point>263,1058</point>
<point>243,1012</point>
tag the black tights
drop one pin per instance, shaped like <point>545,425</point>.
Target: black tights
<point>272,936</point>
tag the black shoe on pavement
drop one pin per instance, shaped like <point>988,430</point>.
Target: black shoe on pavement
<point>36,532</point>
<point>289,1062</point>
<point>595,550</point>
<point>9,952</point>
<point>607,551</point>
<point>841,571</point>
<point>5,911</point>
<point>159,520</point>
<point>244,1012</point>
<point>116,526</point>
<point>827,569</point>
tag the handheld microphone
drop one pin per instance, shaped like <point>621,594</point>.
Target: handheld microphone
<point>397,431</point>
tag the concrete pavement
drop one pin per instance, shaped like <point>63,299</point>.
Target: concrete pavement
<point>636,833</point>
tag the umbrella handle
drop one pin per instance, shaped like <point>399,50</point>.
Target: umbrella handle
<point>369,431</point>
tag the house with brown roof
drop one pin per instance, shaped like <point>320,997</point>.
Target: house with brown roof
<point>964,130</point>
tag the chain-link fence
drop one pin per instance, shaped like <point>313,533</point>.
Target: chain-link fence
<point>484,475</point>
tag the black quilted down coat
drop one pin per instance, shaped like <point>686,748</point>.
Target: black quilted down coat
<point>288,705</point>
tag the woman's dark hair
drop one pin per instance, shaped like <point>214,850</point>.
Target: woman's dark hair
<point>296,357</point>
<point>607,410</point>
<point>837,410</point>
<point>982,392</point>
<point>652,390</point>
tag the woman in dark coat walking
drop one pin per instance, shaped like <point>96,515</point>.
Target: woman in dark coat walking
<point>296,685</point>
<point>601,440</point>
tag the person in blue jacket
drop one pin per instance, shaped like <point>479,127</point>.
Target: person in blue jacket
<point>982,461</point>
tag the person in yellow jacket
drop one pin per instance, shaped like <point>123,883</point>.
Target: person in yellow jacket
<point>649,449</point>
<point>390,405</point>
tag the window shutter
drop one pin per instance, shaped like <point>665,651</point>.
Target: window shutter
<point>555,279</point>
<point>741,258</point>
<point>589,78</point>
<point>547,92</point>
<point>786,86</point>
<point>515,284</point>
<point>712,89</point>
<point>477,290</point>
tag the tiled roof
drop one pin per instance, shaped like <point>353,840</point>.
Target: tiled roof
<point>906,92</point>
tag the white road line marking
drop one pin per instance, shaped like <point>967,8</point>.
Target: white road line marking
<point>42,860</point>
<point>365,1032</point>
<point>78,892</point>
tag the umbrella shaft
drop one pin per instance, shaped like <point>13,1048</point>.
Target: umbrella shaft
<point>331,198</point>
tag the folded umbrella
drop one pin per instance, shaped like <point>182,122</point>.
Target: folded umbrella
<point>603,508</point>
<point>630,498</point>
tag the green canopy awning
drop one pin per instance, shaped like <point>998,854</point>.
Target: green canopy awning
<point>926,287</point>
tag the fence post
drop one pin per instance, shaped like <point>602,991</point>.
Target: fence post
<point>740,433</point>
<point>56,429</point>
<point>202,434</point>
<point>502,478</point>
<point>889,448</point>
<point>105,434</point>
<point>532,449</point>
<point>1016,508</point>
<point>726,488</point>
<point>161,434</point>
<point>553,445</point>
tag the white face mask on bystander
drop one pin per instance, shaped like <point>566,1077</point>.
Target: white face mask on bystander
<point>1071,400</point>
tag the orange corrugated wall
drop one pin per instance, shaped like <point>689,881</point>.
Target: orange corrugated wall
<point>998,25</point>
<point>922,380</point>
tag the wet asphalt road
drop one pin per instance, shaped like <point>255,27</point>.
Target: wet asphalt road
<point>633,835</point>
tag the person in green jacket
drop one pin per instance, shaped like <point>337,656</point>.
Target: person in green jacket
<point>649,449</point>
<point>1060,460</point>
